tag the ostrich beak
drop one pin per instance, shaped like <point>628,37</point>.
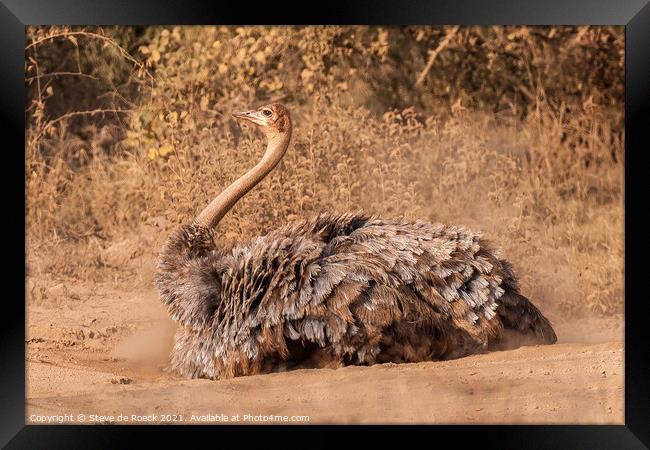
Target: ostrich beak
<point>246,115</point>
<point>250,116</point>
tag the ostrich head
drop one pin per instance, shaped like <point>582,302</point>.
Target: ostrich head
<point>271,119</point>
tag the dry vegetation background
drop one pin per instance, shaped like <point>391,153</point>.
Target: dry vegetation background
<point>516,131</point>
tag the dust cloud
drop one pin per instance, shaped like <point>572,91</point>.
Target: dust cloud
<point>148,348</point>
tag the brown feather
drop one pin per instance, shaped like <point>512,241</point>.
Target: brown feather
<point>339,289</point>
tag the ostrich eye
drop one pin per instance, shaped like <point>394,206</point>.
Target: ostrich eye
<point>267,112</point>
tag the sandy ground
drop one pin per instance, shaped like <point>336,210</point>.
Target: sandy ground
<point>95,355</point>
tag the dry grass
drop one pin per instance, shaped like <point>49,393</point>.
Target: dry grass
<point>547,187</point>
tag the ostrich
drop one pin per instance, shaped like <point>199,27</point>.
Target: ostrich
<point>334,289</point>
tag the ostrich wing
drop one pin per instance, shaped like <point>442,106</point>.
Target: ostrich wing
<point>350,283</point>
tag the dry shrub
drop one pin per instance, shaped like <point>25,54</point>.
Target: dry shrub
<point>546,184</point>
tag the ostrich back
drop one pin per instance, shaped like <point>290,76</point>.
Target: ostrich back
<point>339,289</point>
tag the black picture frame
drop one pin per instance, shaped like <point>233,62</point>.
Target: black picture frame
<point>634,14</point>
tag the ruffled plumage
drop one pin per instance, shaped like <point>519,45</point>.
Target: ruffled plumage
<point>337,289</point>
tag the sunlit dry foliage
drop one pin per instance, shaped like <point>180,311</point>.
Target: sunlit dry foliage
<point>516,131</point>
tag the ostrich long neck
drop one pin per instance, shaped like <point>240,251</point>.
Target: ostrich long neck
<point>219,207</point>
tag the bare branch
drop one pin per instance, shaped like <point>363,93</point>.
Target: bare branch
<point>435,53</point>
<point>94,111</point>
<point>89,34</point>
<point>57,74</point>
